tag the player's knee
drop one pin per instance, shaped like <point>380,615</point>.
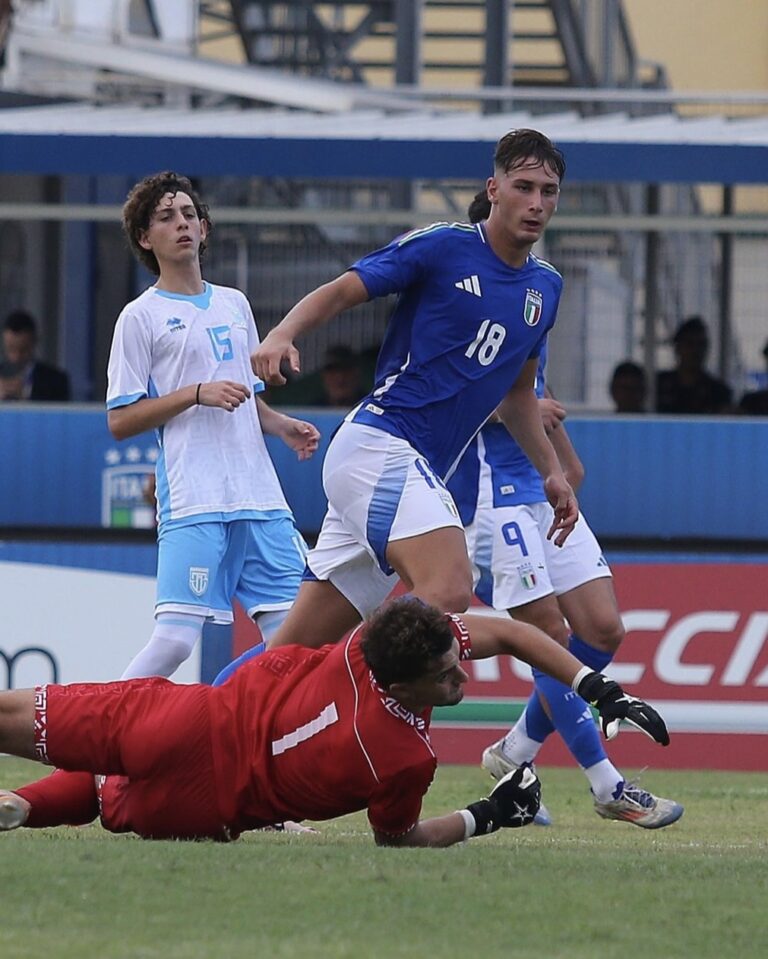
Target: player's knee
<point>451,597</point>
<point>607,634</point>
<point>559,630</point>
<point>551,623</point>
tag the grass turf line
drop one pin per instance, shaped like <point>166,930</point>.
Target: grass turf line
<point>581,888</point>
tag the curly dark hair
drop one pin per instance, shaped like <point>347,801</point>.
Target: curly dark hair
<point>519,145</point>
<point>142,202</point>
<point>402,639</point>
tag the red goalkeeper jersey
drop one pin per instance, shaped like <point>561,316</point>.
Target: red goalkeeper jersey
<point>308,734</point>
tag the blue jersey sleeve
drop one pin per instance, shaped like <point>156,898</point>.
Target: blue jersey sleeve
<point>400,264</point>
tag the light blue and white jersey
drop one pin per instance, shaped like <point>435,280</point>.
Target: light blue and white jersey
<point>213,464</point>
<point>495,471</point>
<point>464,325</point>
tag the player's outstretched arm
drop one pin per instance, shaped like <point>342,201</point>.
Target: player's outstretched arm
<point>494,636</point>
<point>513,802</point>
<point>315,309</point>
<point>614,705</point>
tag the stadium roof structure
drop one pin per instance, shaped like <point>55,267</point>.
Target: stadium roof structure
<point>78,138</point>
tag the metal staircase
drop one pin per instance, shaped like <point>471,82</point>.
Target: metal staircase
<point>554,43</point>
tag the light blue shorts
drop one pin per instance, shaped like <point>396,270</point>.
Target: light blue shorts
<point>202,567</point>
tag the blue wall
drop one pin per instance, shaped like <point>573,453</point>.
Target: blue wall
<point>646,476</point>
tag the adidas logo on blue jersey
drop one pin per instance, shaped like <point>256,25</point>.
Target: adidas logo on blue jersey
<point>470,283</point>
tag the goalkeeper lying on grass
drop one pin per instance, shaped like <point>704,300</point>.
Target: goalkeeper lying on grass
<point>295,734</point>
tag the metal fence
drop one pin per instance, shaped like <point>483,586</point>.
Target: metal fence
<point>630,275</point>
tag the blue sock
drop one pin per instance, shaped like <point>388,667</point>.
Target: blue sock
<point>251,653</point>
<point>537,724</point>
<point>571,715</point>
<point>572,719</point>
<point>594,658</point>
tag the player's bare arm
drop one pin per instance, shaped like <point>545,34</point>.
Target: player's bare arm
<point>298,435</point>
<point>513,802</point>
<point>519,411</point>
<point>315,309</point>
<point>553,413</point>
<point>151,412</point>
<point>494,636</point>
<point>569,458</point>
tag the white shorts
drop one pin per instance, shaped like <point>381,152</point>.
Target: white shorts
<point>379,490</point>
<point>514,563</point>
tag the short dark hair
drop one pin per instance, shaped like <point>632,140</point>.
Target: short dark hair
<point>402,639</point>
<point>142,202</point>
<point>519,145</point>
<point>693,324</point>
<point>628,368</point>
<point>480,207</point>
<point>20,322</point>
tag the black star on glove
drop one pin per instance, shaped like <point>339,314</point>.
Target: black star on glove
<point>513,802</point>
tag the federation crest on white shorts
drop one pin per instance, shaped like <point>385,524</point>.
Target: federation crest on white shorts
<point>527,576</point>
<point>533,306</point>
<point>198,579</point>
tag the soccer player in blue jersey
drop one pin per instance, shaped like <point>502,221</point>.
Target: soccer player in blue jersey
<point>568,593</point>
<point>474,308</point>
<point>180,364</point>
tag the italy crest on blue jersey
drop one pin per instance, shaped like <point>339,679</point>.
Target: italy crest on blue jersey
<point>464,325</point>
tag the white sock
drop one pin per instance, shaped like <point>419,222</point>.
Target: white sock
<point>604,779</point>
<point>270,622</point>
<point>518,746</point>
<point>171,642</point>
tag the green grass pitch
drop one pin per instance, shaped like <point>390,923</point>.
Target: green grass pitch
<point>581,889</point>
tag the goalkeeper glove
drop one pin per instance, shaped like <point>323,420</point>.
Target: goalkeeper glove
<point>513,801</point>
<point>613,705</point>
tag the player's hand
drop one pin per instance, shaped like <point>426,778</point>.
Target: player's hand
<point>513,801</point>
<point>552,413</point>
<point>614,705</point>
<point>300,436</point>
<point>563,501</point>
<point>269,356</point>
<point>223,393</point>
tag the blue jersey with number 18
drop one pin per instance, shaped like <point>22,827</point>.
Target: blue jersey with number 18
<point>464,325</point>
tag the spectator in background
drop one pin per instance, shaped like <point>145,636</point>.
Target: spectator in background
<point>22,376</point>
<point>628,387</point>
<point>341,378</point>
<point>689,388</point>
<point>756,402</point>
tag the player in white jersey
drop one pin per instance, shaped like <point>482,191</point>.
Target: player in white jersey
<point>473,310</point>
<point>180,364</point>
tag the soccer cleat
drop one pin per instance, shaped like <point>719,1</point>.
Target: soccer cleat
<point>641,808</point>
<point>498,765</point>
<point>13,811</point>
